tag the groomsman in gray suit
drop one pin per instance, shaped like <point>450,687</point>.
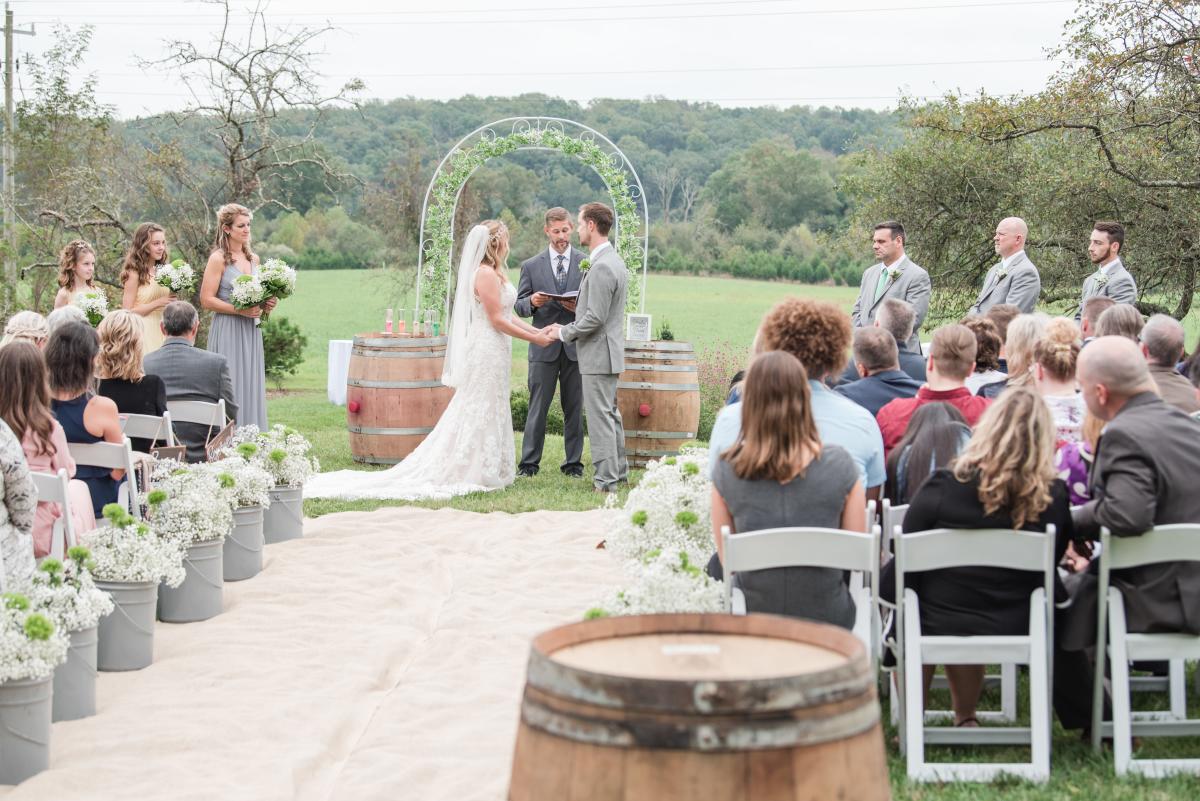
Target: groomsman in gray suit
<point>895,276</point>
<point>599,332</point>
<point>1111,279</point>
<point>1015,280</point>
<point>554,271</point>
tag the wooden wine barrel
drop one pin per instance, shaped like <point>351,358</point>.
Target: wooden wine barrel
<point>659,398</point>
<point>718,707</point>
<point>394,394</point>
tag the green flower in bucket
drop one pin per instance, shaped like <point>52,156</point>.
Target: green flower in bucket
<point>686,518</point>
<point>38,627</point>
<point>14,600</point>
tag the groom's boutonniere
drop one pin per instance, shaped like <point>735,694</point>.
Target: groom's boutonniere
<point>585,265</point>
<point>893,272</point>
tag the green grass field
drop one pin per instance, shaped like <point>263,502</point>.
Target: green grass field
<point>707,312</point>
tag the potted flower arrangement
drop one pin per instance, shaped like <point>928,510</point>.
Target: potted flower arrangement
<point>192,506</point>
<point>287,456</point>
<point>66,593</point>
<point>130,561</point>
<point>250,493</point>
<point>31,646</point>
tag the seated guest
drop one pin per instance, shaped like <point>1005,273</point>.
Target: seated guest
<point>818,334</point>
<point>1074,458</point>
<point>18,500</point>
<point>735,387</point>
<point>875,356</point>
<point>25,407</point>
<point>120,370</point>
<point>1162,345</point>
<point>28,326</point>
<point>190,373</point>
<point>1089,318</point>
<point>1022,335</point>
<point>778,474</point>
<point>62,315</point>
<point>1194,378</point>
<point>897,317</point>
<point>988,346</point>
<point>1002,315</point>
<point>1054,358</point>
<point>85,418</point>
<point>1121,320</point>
<point>936,435</point>
<point>951,360</point>
<point>1142,477</point>
<point>1004,479</point>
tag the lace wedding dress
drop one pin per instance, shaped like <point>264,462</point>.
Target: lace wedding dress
<point>471,447</point>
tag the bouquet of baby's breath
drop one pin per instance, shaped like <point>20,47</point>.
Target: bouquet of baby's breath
<point>247,292</point>
<point>31,646</point>
<point>191,503</point>
<point>178,276</point>
<point>127,550</point>
<point>94,305</point>
<point>277,278</point>
<point>283,452</point>
<point>249,482</point>
<point>65,591</point>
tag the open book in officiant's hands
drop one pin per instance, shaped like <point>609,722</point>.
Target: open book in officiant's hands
<point>573,295</point>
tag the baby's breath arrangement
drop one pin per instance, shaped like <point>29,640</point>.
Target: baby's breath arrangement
<point>128,550</point>
<point>282,451</point>
<point>192,503</point>
<point>66,592</point>
<point>252,483</point>
<point>31,646</point>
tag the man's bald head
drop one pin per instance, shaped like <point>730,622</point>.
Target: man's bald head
<point>1162,340</point>
<point>1112,370</point>
<point>1010,237</point>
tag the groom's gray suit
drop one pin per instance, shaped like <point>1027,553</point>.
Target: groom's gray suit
<point>600,347</point>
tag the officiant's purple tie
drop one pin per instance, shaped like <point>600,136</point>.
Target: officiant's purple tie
<point>560,274</point>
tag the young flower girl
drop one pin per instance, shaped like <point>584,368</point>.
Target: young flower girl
<point>76,269</point>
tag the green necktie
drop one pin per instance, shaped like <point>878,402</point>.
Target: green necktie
<point>883,281</point>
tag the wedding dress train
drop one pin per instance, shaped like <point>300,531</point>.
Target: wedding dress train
<point>470,449</point>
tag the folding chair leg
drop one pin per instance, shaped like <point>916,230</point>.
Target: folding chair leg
<point>914,702</point>
<point>1119,667</point>
<point>1008,692</point>
<point>1177,681</point>
<point>1039,696</point>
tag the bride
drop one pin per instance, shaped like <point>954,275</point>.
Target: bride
<point>471,447</point>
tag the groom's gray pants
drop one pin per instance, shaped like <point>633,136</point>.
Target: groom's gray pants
<point>605,430</point>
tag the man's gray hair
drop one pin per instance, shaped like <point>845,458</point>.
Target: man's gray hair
<point>179,318</point>
<point>875,349</point>
<point>1163,338</point>
<point>897,317</point>
<point>64,314</point>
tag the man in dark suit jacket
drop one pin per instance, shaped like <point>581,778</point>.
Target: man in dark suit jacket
<point>876,359</point>
<point>554,271</point>
<point>897,317</point>
<point>190,373</point>
<point>1142,476</point>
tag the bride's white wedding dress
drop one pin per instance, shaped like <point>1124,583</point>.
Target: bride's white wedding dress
<point>470,449</point>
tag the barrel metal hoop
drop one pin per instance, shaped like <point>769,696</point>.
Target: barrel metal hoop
<point>394,432</point>
<point>663,368</point>
<point>397,354</point>
<point>631,433</point>
<point>391,342</point>
<point>635,344</point>
<point>376,460</point>
<point>664,387</point>
<point>704,735</point>
<point>650,454</point>
<point>369,384</point>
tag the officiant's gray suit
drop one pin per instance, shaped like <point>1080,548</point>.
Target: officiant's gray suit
<point>552,364</point>
<point>600,345</point>
<point>1020,286</point>
<point>912,285</point>
<point>1120,285</point>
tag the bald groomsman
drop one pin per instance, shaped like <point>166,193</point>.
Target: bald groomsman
<point>1015,280</point>
<point>895,276</point>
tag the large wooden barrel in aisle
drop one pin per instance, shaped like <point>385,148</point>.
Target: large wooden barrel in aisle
<point>713,707</point>
<point>394,394</point>
<point>659,398</point>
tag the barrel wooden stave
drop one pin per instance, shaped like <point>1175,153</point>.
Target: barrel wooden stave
<point>833,712</point>
<point>394,395</point>
<point>652,370</point>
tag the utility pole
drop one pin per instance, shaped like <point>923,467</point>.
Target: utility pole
<point>7,185</point>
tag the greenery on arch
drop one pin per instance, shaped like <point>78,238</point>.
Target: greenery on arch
<point>439,219</point>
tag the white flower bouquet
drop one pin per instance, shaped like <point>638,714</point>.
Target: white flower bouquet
<point>283,452</point>
<point>278,278</point>
<point>94,305</point>
<point>247,292</point>
<point>31,646</point>
<point>178,276</point>
<point>192,503</point>
<point>249,482</point>
<point>65,591</point>
<point>128,550</point>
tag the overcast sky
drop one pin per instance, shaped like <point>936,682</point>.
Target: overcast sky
<point>861,53</point>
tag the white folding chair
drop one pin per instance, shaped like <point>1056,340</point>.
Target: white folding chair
<point>56,488</point>
<point>149,427</point>
<point>943,548</point>
<point>891,518</point>
<point>202,412</point>
<point>1172,543</point>
<point>114,457</point>
<point>807,547</point>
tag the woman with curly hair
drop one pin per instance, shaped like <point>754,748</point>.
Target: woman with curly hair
<point>141,294</point>
<point>119,367</point>
<point>1004,479</point>
<point>76,271</point>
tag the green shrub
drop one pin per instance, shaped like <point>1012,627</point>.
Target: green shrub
<point>283,348</point>
<point>519,402</point>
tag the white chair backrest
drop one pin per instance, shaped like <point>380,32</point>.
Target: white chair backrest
<point>943,547</point>
<point>114,457</point>
<point>56,488</point>
<point>1179,542</point>
<point>202,412</point>
<point>148,426</point>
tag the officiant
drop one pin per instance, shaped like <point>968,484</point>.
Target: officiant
<point>553,272</point>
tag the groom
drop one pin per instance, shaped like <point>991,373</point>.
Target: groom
<point>600,343</point>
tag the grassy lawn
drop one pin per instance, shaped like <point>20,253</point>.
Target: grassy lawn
<point>710,312</point>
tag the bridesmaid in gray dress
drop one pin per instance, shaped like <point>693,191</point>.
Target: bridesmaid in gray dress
<point>234,332</point>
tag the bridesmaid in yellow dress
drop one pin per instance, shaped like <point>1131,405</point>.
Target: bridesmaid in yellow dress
<point>142,295</point>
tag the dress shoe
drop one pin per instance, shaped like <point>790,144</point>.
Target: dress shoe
<point>527,472</point>
<point>573,472</point>
<point>602,490</point>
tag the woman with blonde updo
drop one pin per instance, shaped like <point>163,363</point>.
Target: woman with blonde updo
<point>119,368</point>
<point>142,295</point>
<point>76,271</point>
<point>26,326</point>
<point>1054,358</point>
<point>235,333</point>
